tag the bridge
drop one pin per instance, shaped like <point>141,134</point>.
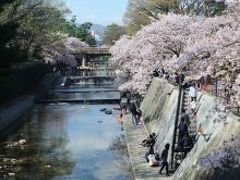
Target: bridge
<point>91,52</point>
<point>95,51</point>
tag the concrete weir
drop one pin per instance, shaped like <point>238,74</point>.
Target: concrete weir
<point>159,112</point>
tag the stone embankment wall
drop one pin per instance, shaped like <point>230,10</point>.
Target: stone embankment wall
<point>15,110</point>
<point>159,110</point>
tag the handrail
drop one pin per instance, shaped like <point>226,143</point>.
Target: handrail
<point>179,105</point>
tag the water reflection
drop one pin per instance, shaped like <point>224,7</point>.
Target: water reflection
<point>63,141</point>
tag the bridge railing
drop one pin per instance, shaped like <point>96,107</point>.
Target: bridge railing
<point>95,50</point>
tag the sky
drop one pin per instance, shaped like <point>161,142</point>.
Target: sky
<point>102,12</point>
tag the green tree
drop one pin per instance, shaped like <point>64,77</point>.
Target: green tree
<point>113,33</point>
<point>203,7</point>
<point>8,53</point>
<point>82,31</point>
<point>26,25</point>
<point>140,12</point>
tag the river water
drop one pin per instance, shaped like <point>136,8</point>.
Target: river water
<point>65,141</point>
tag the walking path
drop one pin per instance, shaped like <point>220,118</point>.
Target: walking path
<point>134,136</point>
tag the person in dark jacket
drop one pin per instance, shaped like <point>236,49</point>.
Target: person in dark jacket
<point>164,157</point>
<point>183,129</point>
<point>187,143</point>
<point>134,112</point>
<point>150,140</point>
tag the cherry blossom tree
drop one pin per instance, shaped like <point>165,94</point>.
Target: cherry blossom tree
<point>63,50</point>
<point>197,45</point>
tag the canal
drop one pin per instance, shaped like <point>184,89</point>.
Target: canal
<point>66,141</point>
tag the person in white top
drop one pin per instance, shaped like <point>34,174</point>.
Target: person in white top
<point>193,106</point>
<point>153,160</point>
<point>193,92</point>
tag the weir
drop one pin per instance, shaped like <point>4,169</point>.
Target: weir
<point>83,89</point>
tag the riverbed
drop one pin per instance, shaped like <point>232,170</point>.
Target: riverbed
<point>65,141</point>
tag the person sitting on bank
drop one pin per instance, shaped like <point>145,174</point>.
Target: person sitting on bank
<point>150,151</point>
<point>154,160</point>
<point>164,157</point>
<point>150,141</point>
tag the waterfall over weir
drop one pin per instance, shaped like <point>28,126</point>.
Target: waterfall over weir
<point>97,89</point>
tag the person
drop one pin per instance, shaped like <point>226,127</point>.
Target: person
<point>193,92</point>
<point>138,116</point>
<point>176,76</point>
<point>154,160</point>
<point>154,136</point>
<point>150,141</point>
<point>193,107</point>
<point>150,151</point>
<point>185,117</point>
<point>164,157</point>
<point>134,112</point>
<point>156,72</point>
<point>183,129</point>
<point>123,104</point>
<point>227,93</point>
<point>181,79</point>
<point>187,144</point>
<point>120,118</point>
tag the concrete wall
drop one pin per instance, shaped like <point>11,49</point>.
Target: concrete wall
<point>159,110</point>
<point>14,111</point>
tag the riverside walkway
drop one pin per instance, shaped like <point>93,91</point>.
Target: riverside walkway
<point>134,136</point>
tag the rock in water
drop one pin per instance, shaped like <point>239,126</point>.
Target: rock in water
<point>108,112</point>
<point>103,109</point>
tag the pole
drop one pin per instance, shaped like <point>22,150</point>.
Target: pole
<point>216,90</point>
<point>216,93</point>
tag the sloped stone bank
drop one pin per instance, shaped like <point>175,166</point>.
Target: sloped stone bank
<point>159,110</point>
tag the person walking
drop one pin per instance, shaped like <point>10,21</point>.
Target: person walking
<point>164,157</point>
<point>193,92</point>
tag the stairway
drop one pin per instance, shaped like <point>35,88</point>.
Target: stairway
<point>183,104</point>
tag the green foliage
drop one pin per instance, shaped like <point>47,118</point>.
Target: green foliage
<point>206,8</point>
<point>7,32</point>
<point>134,18</point>
<point>26,25</point>
<point>82,31</point>
<point>112,34</point>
